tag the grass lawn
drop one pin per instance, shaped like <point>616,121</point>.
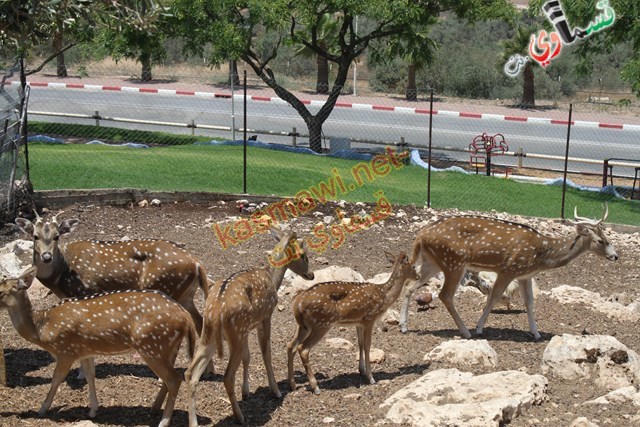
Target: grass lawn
<point>219,169</point>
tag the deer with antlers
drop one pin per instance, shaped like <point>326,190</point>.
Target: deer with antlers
<point>145,321</point>
<point>513,251</point>
<point>323,305</point>
<point>237,305</point>
<point>86,267</point>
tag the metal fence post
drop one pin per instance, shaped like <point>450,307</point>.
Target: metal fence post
<point>294,136</point>
<point>605,172</point>
<point>96,115</point>
<point>566,162</point>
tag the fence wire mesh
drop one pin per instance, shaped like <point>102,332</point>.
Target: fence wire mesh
<point>190,121</point>
<point>15,188</point>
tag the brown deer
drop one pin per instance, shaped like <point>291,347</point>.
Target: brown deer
<point>323,305</point>
<point>87,267</point>
<point>243,302</point>
<point>511,250</point>
<point>145,321</point>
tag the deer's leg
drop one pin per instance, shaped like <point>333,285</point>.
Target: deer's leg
<point>264,338</point>
<point>89,368</point>
<point>367,332</point>
<point>3,366</point>
<point>526,289</point>
<point>361,357</point>
<point>59,373</point>
<point>187,302</point>
<point>304,348</point>
<point>451,282</point>
<point>163,368</point>
<point>246,356</point>
<point>205,351</point>
<point>235,357</point>
<point>427,271</point>
<point>497,290</point>
<point>302,334</point>
<point>162,394</point>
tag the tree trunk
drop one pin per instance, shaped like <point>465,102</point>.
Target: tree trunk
<point>145,60</point>
<point>412,89</point>
<point>234,78</point>
<point>315,134</point>
<point>528,89</point>
<point>61,70</point>
<point>322,81</point>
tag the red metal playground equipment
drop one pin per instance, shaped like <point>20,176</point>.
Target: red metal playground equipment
<point>484,147</point>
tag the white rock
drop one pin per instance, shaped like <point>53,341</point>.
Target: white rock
<point>621,395</point>
<point>156,202</point>
<point>391,317</point>
<point>574,295</point>
<point>603,359</point>
<point>452,397</point>
<point>376,355</point>
<point>328,219</point>
<point>328,274</point>
<point>464,353</point>
<point>328,420</point>
<point>583,422</point>
<point>340,343</point>
<point>379,279</point>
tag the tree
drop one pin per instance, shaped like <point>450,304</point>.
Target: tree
<point>624,29</point>
<point>327,30</point>
<point>299,22</point>
<point>135,30</point>
<point>25,24</point>
<point>519,45</point>
<point>416,48</point>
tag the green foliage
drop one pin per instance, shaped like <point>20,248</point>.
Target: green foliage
<point>107,134</point>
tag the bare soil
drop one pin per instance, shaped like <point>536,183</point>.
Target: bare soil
<point>126,387</point>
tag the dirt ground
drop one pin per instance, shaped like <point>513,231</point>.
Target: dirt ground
<point>126,387</point>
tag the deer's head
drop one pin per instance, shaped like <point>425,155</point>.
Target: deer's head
<point>402,266</point>
<point>290,251</point>
<point>9,287</point>
<point>45,235</point>
<point>592,230</point>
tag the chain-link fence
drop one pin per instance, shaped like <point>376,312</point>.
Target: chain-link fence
<point>15,188</point>
<point>468,142</point>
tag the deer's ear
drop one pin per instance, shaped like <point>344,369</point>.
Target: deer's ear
<point>276,233</point>
<point>25,226</point>
<point>68,225</point>
<point>583,230</point>
<point>26,279</point>
<point>390,257</point>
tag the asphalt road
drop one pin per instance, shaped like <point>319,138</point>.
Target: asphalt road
<point>547,139</point>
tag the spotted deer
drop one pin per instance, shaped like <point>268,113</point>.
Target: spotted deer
<point>144,321</point>
<point>326,304</point>
<point>86,267</point>
<point>513,251</point>
<point>237,305</point>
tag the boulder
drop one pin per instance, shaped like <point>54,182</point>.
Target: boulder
<point>464,353</point>
<point>565,294</point>
<point>453,397</point>
<point>340,343</point>
<point>627,394</point>
<point>332,273</point>
<point>601,358</point>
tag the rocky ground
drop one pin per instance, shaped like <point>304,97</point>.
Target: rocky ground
<point>126,387</point>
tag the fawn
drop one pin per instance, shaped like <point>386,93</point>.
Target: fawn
<point>243,302</point>
<point>323,305</point>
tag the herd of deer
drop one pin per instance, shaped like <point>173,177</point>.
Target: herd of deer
<point>137,296</point>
